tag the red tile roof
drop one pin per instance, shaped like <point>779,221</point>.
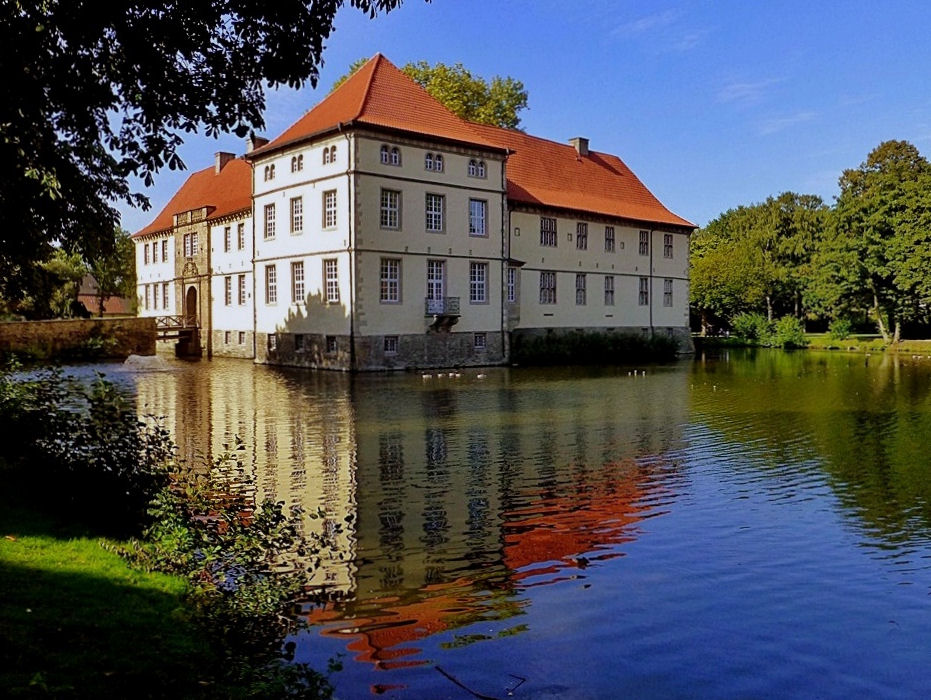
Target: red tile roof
<point>227,192</point>
<point>381,95</point>
<point>550,174</point>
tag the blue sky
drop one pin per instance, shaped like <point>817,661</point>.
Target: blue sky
<point>713,104</point>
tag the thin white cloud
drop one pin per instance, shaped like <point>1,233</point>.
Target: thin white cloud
<point>689,41</point>
<point>647,23</point>
<point>777,124</point>
<point>747,92</point>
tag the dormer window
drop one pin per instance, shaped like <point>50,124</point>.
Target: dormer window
<point>297,163</point>
<point>476,168</point>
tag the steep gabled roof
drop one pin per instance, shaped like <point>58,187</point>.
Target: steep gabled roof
<point>226,192</point>
<point>550,174</point>
<point>381,95</point>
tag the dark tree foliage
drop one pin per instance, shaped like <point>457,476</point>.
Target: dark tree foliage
<point>95,92</point>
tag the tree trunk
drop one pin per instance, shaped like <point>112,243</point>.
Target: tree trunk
<point>898,331</point>
<point>769,308</point>
<point>704,323</point>
<point>883,331</point>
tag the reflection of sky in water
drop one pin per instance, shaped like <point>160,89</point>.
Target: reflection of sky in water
<point>750,527</point>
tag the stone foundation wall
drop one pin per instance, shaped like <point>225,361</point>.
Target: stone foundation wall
<point>233,348</point>
<point>681,334</point>
<point>93,337</point>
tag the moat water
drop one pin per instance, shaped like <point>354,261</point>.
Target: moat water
<point>748,525</point>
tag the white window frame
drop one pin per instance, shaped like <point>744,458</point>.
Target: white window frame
<point>667,292</point>
<point>512,285</point>
<point>164,295</point>
<point>609,290</point>
<point>480,341</point>
<point>478,216</point>
<point>581,235</point>
<point>667,246</point>
<point>390,345</point>
<point>329,209</point>
<point>610,242</point>
<point>228,290</point>
<point>241,293</point>
<point>434,209</point>
<point>271,285</point>
<point>331,280</point>
<point>644,242</point>
<point>643,293</point>
<point>269,211</point>
<point>548,231</point>
<point>547,287</point>
<point>390,281</point>
<point>389,216</point>
<point>478,282</point>
<point>297,282</point>
<point>581,283</point>
<point>297,215</point>
<point>240,236</point>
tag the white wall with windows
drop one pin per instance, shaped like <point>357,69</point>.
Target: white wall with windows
<point>155,273</point>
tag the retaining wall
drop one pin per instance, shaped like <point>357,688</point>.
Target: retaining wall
<point>93,337</point>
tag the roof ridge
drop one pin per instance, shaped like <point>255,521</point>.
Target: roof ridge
<point>377,58</point>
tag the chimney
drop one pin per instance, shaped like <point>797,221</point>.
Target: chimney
<point>221,159</point>
<point>580,144</point>
<point>254,142</point>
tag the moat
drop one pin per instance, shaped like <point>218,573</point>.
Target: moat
<point>753,524</point>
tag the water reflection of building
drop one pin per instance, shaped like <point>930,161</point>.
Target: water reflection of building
<point>462,492</point>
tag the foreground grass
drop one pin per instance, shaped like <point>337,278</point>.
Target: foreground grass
<point>77,621</point>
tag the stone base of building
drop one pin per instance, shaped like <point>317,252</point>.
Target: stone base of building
<point>377,352</point>
<point>681,334</point>
<point>233,344</point>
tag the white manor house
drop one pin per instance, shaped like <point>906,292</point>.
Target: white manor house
<point>381,231</point>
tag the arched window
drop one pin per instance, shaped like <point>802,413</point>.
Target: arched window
<point>481,169</point>
<point>300,162</point>
<point>428,162</point>
<point>332,154</point>
<point>293,164</point>
<point>385,157</point>
<point>395,156</point>
<point>438,163</point>
<point>326,156</point>
<point>271,172</point>
<point>473,168</point>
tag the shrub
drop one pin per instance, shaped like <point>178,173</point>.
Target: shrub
<point>590,348</point>
<point>752,327</point>
<point>840,328</point>
<point>788,332</point>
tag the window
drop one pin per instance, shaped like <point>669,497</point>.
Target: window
<point>390,280</point>
<point>581,236</point>
<point>644,297</point>
<point>164,295</point>
<point>609,239</point>
<point>329,209</point>
<point>240,236</point>
<point>297,214</point>
<point>609,290</point>
<point>269,172</point>
<point>395,156</point>
<point>227,239</point>
<point>242,337</point>
<point>326,156</point>
<point>147,296</point>
<point>272,342</point>
<point>391,345</point>
<point>435,205</point>
<point>145,253</point>
<point>331,345</point>
<point>480,341</point>
<point>547,287</point>
<point>438,163</point>
<point>242,289</point>
<point>228,290</point>
<point>269,221</point>
<point>385,155</point>
<point>226,337</point>
<point>644,243</point>
<point>512,284</point>
<point>667,292</point>
<point>155,295</point>
<point>298,342</point>
<point>297,163</point>
<point>194,243</point>
<point>165,250</point>
<point>478,283</point>
<point>332,154</point>
<point>580,289</point>
<point>428,162</point>
<point>477,211</point>
<point>390,216</point>
<point>271,285</point>
<point>331,280</point>
<point>476,168</point>
<point>667,245</point>
<point>547,231</point>
<point>297,283</point>
<point>187,245</point>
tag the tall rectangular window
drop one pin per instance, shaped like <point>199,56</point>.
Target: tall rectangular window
<point>165,250</point>
<point>155,296</point>
<point>667,292</point>
<point>580,289</point>
<point>154,251</point>
<point>145,253</point>
<point>644,243</point>
<point>547,287</point>
<point>390,214</point>
<point>581,236</point>
<point>270,220</point>
<point>390,280</point>
<point>164,295</point>
<point>512,285</point>
<point>297,282</point>
<point>643,297</point>
<point>194,243</point>
<point>147,295</point>
<point>609,290</point>
<point>331,280</point>
<point>240,236</point>
<point>434,211</point>
<point>477,212</point>
<point>667,245</point>
<point>329,209</point>
<point>297,214</point>
<point>241,280</point>
<point>271,285</point>
<point>228,290</point>
<point>609,239</point>
<point>478,282</point>
<point>227,239</point>
<point>547,231</point>
<point>187,245</point>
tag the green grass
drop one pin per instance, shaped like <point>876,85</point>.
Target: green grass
<point>77,621</point>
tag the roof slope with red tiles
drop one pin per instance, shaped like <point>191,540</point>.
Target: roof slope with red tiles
<point>550,174</point>
<point>379,94</point>
<point>227,192</point>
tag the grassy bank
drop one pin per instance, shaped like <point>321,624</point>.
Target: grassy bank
<point>824,341</point>
<point>77,621</point>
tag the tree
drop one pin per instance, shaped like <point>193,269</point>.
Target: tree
<point>95,93</point>
<point>878,252</point>
<point>116,273</point>
<point>468,96</point>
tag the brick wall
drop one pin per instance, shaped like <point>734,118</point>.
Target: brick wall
<point>114,337</point>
